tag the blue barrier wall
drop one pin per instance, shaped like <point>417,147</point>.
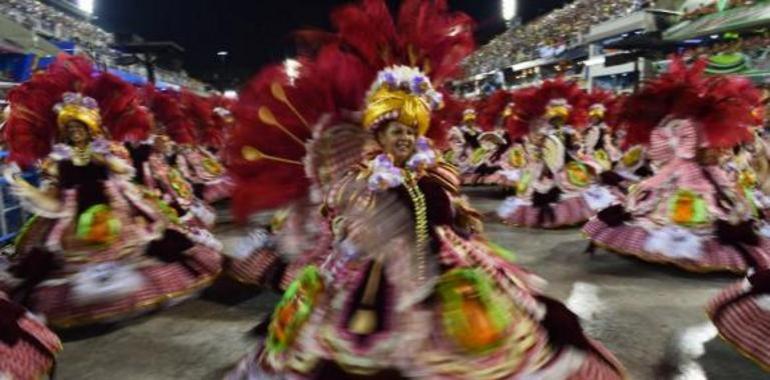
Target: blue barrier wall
<point>12,215</point>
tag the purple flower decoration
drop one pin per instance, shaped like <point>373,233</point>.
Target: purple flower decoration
<point>423,144</point>
<point>385,175</point>
<point>90,103</point>
<point>390,79</point>
<point>418,85</point>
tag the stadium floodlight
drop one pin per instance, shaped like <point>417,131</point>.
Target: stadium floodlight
<point>86,6</point>
<point>223,53</point>
<point>509,9</point>
<point>292,66</point>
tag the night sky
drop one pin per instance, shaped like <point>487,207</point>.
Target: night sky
<point>256,32</point>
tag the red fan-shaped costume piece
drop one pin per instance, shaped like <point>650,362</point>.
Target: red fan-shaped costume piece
<point>720,106</point>
<point>31,128</point>
<point>200,111</point>
<point>284,105</point>
<point>490,109</point>
<point>123,114</point>
<point>531,104</point>
<point>169,115</point>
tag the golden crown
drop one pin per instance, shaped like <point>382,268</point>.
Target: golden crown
<point>76,107</point>
<point>403,94</point>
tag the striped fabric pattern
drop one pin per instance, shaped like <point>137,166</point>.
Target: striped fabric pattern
<point>567,212</point>
<point>24,359</point>
<point>743,323</point>
<point>253,269</point>
<point>630,240</point>
<point>164,282</point>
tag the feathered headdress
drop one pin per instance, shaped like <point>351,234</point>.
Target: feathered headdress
<point>403,94</point>
<point>599,103</point>
<point>280,111</point>
<point>170,118</point>
<point>553,98</point>
<point>720,106</point>
<point>200,112</point>
<point>451,114</point>
<point>224,120</point>
<point>70,89</point>
<point>501,107</point>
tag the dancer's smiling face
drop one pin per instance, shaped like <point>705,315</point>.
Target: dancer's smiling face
<point>77,132</point>
<point>397,140</point>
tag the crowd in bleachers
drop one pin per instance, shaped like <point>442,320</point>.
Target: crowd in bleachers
<point>93,40</point>
<point>705,10</point>
<point>549,35</point>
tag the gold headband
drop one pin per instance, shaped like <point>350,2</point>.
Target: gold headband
<point>387,105</point>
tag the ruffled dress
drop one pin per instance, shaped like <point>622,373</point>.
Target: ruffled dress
<point>741,313</point>
<point>209,178</point>
<point>689,214</point>
<point>100,249</point>
<point>156,173</point>
<point>27,347</point>
<point>410,290</point>
<point>554,189</point>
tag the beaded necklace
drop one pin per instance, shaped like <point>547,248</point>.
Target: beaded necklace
<point>420,218</point>
<point>81,156</point>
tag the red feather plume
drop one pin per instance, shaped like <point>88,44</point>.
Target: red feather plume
<point>721,106</point>
<point>200,111</point>
<point>333,80</point>
<point>169,116</point>
<point>31,128</point>
<point>531,103</point>
<point>491,108</point>
<point>123,116</point>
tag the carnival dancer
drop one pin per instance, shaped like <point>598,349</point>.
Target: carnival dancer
<point>98,249</point>
<point>689,213</point>
<point>510,158</point>
<point>196,160</point>
<point>601,148</point>
<point>410,289</point>
<point>154,158</point>
<point>486,158</point>
<point>27,347</point>
<point>556,189</point>
<point>470,155</point>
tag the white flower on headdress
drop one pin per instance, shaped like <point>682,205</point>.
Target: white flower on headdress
<point>409,79</point>
<point>385,175</point>
<point>598,107</point>
<point>74,98</point>
<point>222,112</point>
<point>559,102</point>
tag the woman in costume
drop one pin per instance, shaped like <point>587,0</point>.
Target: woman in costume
<point>97,249</point>
<point>409,288</point>
<point>556,189</point>
<point>27,348</point>
<point>195,160</point>
<point>510,158</point>
<point>154,162</point>
<point>689,214</point>
<point>601,150</point>
<point>468,156</point>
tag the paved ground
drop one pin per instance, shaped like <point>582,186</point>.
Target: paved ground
<point>650,316</point>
